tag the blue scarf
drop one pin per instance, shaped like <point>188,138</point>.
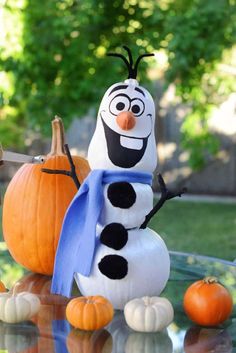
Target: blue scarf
<point>76,248</point>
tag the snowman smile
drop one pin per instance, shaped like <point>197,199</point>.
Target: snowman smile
<point>124,151</point>
<point>130,142</point>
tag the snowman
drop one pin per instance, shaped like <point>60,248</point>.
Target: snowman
<point>105,244</point>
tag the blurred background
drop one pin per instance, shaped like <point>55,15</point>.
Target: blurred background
<point>53,62</point>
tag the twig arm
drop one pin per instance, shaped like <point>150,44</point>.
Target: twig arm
<point>71,173</point>
<point>56,171</point>
<point>72,167</point>
<point>165,195</point>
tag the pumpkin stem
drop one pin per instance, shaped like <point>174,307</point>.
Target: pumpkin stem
<point>58,138</point>
<point>14,290</point>
<point>210,280</point>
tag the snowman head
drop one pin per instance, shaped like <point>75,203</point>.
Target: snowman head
<point>124,135</point>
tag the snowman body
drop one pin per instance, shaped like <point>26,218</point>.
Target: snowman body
<point>129,262</point>
<point>148,269</point>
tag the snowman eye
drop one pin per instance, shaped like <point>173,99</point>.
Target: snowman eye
<point>119,104</point>
<point>137,107</point>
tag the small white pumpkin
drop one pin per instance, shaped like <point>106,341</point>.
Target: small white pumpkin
<point>18,307</point>
<point>148,314</point>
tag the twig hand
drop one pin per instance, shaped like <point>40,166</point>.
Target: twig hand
<point>165,195</point>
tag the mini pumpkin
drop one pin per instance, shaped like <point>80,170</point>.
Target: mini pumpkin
<point>20,307</point>
<point>207,302</point>
<point>148,314</point>
<point>35,204</point>
<point>89,313</point>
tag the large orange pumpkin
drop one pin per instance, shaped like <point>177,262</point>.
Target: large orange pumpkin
<point>35,204</point>
<point>207,302</point>
<point>89,313</point>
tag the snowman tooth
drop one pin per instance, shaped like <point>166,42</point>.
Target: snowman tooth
<point>129,142</point>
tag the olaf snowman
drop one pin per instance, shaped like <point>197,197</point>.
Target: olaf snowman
<point>105,243</point>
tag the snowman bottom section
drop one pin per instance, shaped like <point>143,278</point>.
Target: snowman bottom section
<point>148,269</point>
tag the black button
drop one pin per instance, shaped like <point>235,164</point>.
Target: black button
<point>114,235</point>
<point>121,194</point>
<point>113,266</point>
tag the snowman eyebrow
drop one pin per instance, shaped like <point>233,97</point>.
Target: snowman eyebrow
<point>118,87</point>
<point>139,90</point>
<point>125,86</point>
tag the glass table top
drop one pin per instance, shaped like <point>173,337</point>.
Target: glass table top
<point>49,332</point>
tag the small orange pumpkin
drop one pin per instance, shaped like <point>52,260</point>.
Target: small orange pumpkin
<point>89,313</point>
<point>35,204</point>
<point>207,302</point>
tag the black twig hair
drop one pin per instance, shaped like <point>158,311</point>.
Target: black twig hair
<point>132,69</point>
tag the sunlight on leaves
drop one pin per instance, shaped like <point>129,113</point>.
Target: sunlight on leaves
<point>65,73</point>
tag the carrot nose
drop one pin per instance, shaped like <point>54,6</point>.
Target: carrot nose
<point>126,120</point>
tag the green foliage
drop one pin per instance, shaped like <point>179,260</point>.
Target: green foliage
<point>56,62</point>
<point>196,138</point>
<point>10,271</point>
<point>202,30</point>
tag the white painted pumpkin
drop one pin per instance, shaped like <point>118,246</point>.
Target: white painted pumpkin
<point>149,314</point>
<point>110,140</point>
<point>149,267</point>
<point>18,307</point>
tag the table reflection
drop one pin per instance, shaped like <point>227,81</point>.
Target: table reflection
<point>49,332</point>
<point>126,340</point>
<point>18,337</point>
<point>207,340</point>
<point>99,341</point>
